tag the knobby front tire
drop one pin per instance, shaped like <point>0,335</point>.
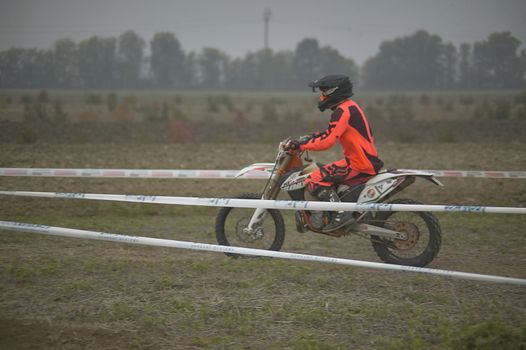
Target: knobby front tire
<point>231,221</point>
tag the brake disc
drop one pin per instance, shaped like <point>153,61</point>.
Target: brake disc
<point>244,234</point>
<point>412,234</point>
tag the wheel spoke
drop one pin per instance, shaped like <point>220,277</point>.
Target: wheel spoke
<point>416,231</point>
<point>422,236</point>
<point>232,228</point>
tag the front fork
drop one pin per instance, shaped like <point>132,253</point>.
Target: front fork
<point>270,192</point>
<point>256,220</point>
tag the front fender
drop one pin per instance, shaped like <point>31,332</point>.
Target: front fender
<point>262,170</point>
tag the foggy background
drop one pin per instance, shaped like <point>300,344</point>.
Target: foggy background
<point>355,28</point>
<point>262,45</point>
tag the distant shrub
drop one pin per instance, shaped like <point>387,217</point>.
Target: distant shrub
<point>179,131</point>
<point>240,117</point>
<point>41,111</point>
<point>520,98</point>
<point>425,100</point>
<point>112,101</point>
<point>151,113</point>
<point>165,113</point>
<point>466,100</point>
<point>93,99</point>
<point>400,99</point>
<point>270,114</point>
<point>521,112</point>
<point>178,114</point>
<point>26,99</point>
<point>276,101</point>
<point>477,113</point>
<point>130,101</point>
<point>28,136</point>
<point>226,101</point>
<point>374,113</point>
<point>449,106</point>
<point>447,136</point>
<point>43,97</point>
<point>249,107</point>
<point>503,109</point>
<point>486,109</point>
<point>122,113</point>
<point>401,114</point>
<point>178,99</point>
<point>295,115</point>
<point>59,116</point>
<point>35,112</point>
<point>212,105</point>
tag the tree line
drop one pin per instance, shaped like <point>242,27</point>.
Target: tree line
<point>414,62</point>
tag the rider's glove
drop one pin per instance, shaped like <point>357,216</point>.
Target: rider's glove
<point>292,145</point>
<point>306,138</point>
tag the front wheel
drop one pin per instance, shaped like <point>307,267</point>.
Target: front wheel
<point>231,224</point>
<point>423,236</point>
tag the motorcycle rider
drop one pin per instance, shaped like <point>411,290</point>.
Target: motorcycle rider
<point>349,126</point>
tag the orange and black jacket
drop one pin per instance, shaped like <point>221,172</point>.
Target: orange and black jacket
<point>349,126</point>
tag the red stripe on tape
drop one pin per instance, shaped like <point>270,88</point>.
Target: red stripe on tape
<point>495,174</point>
<point>162,173</point>
<point>114,173</point>
<point>453,173</point>
<point>65,172</point>
<point>16,172</point>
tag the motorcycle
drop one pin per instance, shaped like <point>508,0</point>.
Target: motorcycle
<point>404,238</point>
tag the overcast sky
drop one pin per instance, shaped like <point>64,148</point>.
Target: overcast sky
<point>355,28</point>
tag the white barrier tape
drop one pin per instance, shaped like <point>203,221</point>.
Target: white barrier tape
<point>218,174</point>
<point>475,173</point>
<point>105,236</point>
<point>268,204</point>
<point>129,173</point>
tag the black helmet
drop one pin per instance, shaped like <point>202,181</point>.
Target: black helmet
<point>334,89</point>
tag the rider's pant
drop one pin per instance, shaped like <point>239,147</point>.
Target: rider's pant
<point>334,174</point>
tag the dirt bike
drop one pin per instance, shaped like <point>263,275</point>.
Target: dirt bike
<point>404,238</point>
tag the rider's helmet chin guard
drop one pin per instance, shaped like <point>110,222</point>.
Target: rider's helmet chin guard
<point>334,89</point>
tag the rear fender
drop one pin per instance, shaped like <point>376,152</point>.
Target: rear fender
<point>388,183</point>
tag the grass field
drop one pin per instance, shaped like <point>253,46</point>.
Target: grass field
<point>63,293</point>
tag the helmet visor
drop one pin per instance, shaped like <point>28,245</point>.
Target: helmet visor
<point>327,91</point>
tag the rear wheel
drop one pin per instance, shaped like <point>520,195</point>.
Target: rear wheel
<point>423,236</point>
<point>231,225</point>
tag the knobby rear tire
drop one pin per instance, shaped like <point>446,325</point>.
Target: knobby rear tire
<point>279,225</point>
<point>388,254</point>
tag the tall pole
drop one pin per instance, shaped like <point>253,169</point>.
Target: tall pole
<point>266,18</point>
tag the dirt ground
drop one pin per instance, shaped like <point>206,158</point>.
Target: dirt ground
<point>64,293</point>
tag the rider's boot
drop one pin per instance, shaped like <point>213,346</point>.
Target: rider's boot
<point>316,219</point>
<point>316,216</point>
<point>341,218</point>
